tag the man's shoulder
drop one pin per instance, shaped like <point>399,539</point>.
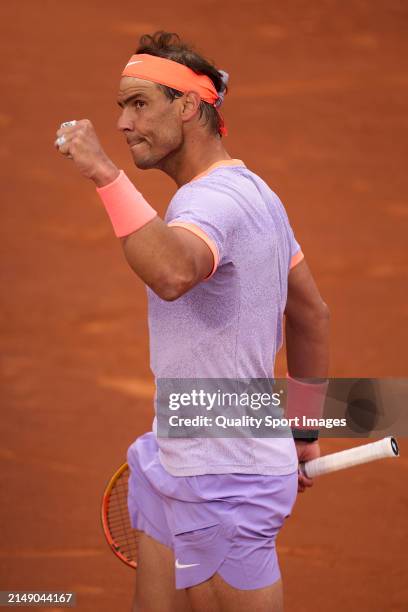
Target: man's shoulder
<point>208,191</point>
<point>232,193</point>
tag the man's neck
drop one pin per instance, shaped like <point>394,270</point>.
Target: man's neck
<point>194,159</point>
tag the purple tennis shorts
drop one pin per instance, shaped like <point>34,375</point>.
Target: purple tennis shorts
<point>225,523</point>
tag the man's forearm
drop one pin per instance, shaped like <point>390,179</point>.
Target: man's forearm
<point>307,347</point>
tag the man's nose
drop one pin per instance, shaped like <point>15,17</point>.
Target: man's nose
<point>125,121</point>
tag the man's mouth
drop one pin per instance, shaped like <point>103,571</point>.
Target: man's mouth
<point>134,143</point>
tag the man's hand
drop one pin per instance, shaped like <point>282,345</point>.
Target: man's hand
<point>77,140</point>
<point>306,451</point>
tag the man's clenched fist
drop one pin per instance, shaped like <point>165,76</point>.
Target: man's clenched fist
<point>78,141</point>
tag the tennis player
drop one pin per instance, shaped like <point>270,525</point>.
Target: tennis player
<point>223,271</point>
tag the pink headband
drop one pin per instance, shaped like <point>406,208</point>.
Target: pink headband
<point>177,76</point>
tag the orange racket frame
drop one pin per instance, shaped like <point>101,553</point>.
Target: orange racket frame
<point>128,556</point>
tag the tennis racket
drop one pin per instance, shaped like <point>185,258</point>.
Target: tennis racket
<point>123,539</point>
<point>120,535</point>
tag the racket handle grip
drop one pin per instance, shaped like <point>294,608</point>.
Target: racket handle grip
<point>387,447</point>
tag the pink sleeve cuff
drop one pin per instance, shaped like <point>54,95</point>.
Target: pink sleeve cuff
<point>297,258</point>
<point>125,205</point>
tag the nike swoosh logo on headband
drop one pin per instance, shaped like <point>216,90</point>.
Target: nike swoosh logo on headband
<point>130,63</point>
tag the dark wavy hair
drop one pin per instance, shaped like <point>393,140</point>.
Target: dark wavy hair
<point>169,45</point>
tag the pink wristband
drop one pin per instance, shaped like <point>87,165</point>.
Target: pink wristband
<point>305,399</point>
<point>125,205</point>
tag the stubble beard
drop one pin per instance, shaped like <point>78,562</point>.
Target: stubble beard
<point>159,162</point>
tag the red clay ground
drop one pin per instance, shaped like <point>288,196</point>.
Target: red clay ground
<point>317,106</point>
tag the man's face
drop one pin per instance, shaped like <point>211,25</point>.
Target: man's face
<point>150,122</point>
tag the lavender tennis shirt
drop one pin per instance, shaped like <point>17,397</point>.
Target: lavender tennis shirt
<point>230,325</point>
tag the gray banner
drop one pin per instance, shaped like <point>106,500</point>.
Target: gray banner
<point>259,408</point>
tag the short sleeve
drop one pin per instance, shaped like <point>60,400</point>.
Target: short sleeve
<point>296,254</point>
<point>293,250</point>
<point>212,215</point>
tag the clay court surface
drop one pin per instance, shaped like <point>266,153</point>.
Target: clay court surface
<point>317,107</point>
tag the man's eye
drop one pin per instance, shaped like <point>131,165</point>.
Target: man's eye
<point>138,103</point>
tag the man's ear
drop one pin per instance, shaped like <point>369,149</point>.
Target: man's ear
<point>190,105</point>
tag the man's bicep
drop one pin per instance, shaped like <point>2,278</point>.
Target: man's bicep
<point>303,299</point>
<point>200,246</point>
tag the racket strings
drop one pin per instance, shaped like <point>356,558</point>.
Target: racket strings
<point>123,535</point>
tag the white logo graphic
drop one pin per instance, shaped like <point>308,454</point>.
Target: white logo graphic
<point>130,63</point>
<point>181,566</point>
